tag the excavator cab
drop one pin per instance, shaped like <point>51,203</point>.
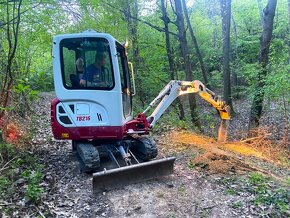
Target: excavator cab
<point>93,86</point>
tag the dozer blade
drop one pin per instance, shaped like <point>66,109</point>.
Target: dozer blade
<point>119,177</point>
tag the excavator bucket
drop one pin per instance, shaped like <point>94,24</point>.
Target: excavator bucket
<point>225,113</point>
<point>119,177</point>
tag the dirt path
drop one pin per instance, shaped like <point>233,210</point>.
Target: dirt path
<point>189,192</point>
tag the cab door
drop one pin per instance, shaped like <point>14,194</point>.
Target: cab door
<point>125,80</point>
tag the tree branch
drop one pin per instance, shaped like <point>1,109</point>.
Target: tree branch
<point>14,18</point>
<point>160,29</point>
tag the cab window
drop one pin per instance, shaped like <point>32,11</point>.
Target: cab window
<point>125,80</point>
<point>86,63</point>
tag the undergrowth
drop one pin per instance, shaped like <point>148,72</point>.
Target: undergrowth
<point>265,193</point>
<point>20,176</point>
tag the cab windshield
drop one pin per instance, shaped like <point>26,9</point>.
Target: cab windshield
<point>86,63</point>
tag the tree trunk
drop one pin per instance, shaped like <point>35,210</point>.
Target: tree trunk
<point>212,13</point>
<point>237,61</point>
<point>226,25</point>
<point>169,52</point>
<point>285,105</point>
<point>288,32</point>
<point>257,105</point>
<point>259,3</point>
<point>12,31</point>
<point>198,53</point>
<point>186,61</point>
<point>130,10</point>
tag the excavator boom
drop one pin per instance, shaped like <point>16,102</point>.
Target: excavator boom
<point>177,88</point>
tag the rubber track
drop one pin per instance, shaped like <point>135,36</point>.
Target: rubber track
<point>148,149</point>
<point>88,156</point>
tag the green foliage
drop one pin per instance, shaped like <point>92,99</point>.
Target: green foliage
<point>4,183</point>
<point>190,165</point>
<point>19,171</point>
<point>256,179</point>
<point>25,90</point>
<point>42,81</point>
<point>264,195</point>
<point>24,95</point>
<point>288,181</point>
<point>230,191</point>
<point>210,121</point>
<point>237,205</point>
<point>264,190</point>
<point>216,78</point>
<point>33,190</point>
<point>6,150</point>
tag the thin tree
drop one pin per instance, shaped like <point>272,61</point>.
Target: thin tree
<point>257,105</point>
<point>288,32</point>
<point>196,46</point>
<point>166,21</point>
<point>12,33</point>
<point>226,25</point>
<point>212,11</point>
<point>130,11</point>
<point>185,58</point>
<point>285,106</point>
<point>237,61</point>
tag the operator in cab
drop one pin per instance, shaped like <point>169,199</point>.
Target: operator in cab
<point>94,73</point>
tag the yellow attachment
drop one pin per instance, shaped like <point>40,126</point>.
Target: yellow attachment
<point>213,99</point>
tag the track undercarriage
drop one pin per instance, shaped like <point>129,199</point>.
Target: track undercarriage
<point>118,163</point>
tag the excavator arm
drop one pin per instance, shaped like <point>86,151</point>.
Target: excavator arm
<point>142,123</point>
<point>177,88</point>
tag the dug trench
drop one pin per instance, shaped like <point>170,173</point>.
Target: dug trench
<point>211,179</point>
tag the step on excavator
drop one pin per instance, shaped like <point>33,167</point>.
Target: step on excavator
<point>94,85</point>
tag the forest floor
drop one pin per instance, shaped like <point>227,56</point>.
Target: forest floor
<point>210,179</point>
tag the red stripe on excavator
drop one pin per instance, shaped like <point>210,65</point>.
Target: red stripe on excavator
<point>95,132</point>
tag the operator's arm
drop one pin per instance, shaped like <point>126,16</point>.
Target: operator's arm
<point>87,76</point>
<point>84,78</point>
<point>82,82</point>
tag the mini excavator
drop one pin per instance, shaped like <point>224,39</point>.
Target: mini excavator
<point>94,85</point>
